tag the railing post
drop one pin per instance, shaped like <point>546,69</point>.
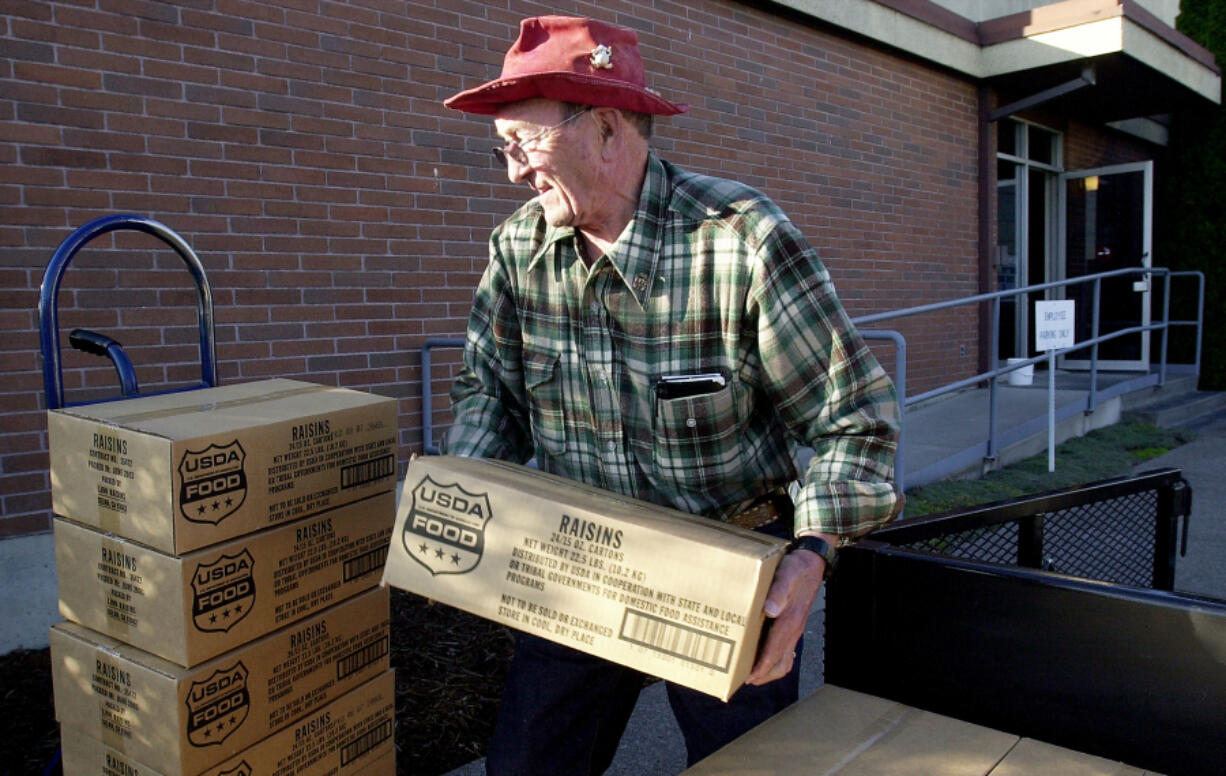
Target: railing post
<point>900,387</point>
<point>1166,326</point>
<point>427,389</point>
<point>1200,315</point>
<point>1092,400</point>
<point>992,452</point>
<point>427,399</point>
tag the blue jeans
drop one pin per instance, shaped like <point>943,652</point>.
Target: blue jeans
<point>563,711</point>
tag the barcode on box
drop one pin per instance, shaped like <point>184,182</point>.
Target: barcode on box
<point>365,742</point>
<point>357,660</point>
<point>678,640</point>
<point>357,474</point>
<point>364,564</point>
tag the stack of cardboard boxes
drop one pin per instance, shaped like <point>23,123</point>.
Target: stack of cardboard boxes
<point>219,553</point>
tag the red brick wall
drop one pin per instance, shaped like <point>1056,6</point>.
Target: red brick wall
<point>301,149</point>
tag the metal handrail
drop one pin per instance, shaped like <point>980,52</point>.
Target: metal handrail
<point>900,387</point>
<point>1093,342</point>
<point>427,390</point>
<point>989,296</point>
<point>900,348</point>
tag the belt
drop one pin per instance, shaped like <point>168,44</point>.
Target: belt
<point>762,512</point>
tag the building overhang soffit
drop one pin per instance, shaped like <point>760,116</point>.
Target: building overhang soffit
<point>1029,49</point>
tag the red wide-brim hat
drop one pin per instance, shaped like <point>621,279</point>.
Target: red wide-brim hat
<point>570,59</point>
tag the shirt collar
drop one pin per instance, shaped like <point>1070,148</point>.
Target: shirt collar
<point>636,253</point>
<point>551,236</point>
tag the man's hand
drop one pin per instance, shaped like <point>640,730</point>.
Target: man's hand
<point>788,603</point>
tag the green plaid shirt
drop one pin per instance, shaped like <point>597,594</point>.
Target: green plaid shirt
<point>562,362</point>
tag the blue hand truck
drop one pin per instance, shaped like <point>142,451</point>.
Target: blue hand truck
<point>99,344</point>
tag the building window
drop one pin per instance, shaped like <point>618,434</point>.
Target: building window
<point>1027,179</point>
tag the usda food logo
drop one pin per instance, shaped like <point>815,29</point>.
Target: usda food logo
<point>445,527</point>
<point>217,706</point>
<point>212,482</point>
<point>223,592</point>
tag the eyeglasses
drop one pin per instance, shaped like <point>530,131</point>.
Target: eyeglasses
<point>517,149</point>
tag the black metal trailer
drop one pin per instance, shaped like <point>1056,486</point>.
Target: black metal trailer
<point>1052,617</point>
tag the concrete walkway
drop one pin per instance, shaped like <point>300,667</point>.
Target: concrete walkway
<point>652,745</point>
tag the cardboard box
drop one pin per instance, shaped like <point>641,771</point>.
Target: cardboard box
<point>186,470</point>
<point>90,754</point>
<point>841,731</point>
<point>170,717</point>
<point>193,607</point>
<point>384,766</point>
<point>351,736</point>
<point>669,594</point>
<point>836,730</point>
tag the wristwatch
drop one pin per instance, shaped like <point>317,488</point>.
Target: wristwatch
<point>822,547</point>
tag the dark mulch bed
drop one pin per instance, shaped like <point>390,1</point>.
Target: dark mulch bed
<point>449,672</point>
<point>450,667</point>
<point>31,738</point>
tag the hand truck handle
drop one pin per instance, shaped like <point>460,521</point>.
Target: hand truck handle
<point>101,345</point>
<point>48,308</point>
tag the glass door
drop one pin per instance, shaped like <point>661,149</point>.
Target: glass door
<point>1027,192</point>
<point>1108,225</point>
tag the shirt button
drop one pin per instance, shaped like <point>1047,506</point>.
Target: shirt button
<point>691,422</point>
<point>611,445</point>
<point>594,307</point>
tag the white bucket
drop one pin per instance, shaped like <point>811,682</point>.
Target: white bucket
<point>1023,376</point>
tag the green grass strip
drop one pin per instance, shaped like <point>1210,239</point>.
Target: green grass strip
<point>1107,452</point>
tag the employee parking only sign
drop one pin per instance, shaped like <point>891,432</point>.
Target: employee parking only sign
<point>1053,330</point>
<point>1053,324</point>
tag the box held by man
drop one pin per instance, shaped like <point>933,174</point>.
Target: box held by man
<point>670,594</point>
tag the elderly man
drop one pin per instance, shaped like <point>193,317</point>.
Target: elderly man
<point>668,336</point>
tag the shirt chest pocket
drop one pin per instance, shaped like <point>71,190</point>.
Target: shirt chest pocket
<point>698,438</point>
<point>543,381</point>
